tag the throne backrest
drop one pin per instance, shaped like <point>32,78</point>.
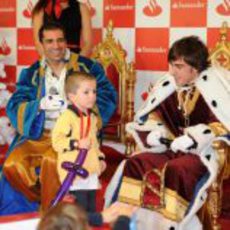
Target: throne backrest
<point>112,57</point>
<point>220,54</point>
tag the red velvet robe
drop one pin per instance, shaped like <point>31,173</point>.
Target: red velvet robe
<point>183,170</point>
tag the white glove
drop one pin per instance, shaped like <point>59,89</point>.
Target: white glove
<point>183,143</point>
<point>52,102</point>
<point>195,139</point>
<point>155,137</point>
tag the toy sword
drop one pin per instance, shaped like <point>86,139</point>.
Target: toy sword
<point>74,169</point>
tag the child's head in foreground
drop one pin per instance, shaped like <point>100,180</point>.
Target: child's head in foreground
<point>64,216</point>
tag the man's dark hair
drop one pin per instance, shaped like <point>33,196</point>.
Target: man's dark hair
<point>50,26</point>
<point>192,50</point>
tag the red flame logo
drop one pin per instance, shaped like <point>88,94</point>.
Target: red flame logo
<point>152,9</point>
<point>4,48</point>
<point>28,11</point>
<point>224,8</point>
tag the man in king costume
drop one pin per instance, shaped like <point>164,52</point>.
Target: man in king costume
<point>29,172</point>
<point>184,113</point>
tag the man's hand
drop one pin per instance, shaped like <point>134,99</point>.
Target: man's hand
<point>195,139</point>
<point>52,102</point>
<point>183,143</point>
<point>155,137</point>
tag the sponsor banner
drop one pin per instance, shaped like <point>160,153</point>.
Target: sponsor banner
<point>213,35</point>
<point>188,13</point>
<point>10,78</point>
<point>7,13</point>
<point>26,47</point>
<point>96,12</point>
<point>24,12</point>
<point>120,11</point>
<point>218,11</point>
<point>178,33</point>
<point>151,48</point>
<point>97,36</point>
<point>152,13</point>
<point>8,46</point>
<point>126,36</point>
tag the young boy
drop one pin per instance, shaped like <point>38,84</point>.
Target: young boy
<point>75,129</point>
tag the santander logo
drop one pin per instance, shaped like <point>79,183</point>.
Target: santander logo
<point>158,50</point>
<point>4,48</point>
<point>224,8</point>
<point>188,5</point>
<point>152,9</point>
<point>27,13</point>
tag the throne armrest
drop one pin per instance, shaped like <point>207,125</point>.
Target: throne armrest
<point>223,150</point>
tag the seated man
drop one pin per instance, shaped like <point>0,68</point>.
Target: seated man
<point>184,113</point>
<point>33,109</point>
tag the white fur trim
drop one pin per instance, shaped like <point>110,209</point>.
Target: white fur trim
<point>216,89</point>
<point>113,184</point>
<point>147,219</point>
<point>163,88</point>
<point>211,164</point>
<point>198,134</point>
<point>181,143</point>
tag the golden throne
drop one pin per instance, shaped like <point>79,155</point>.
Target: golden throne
<point>122,75</point>
<point>219,55</point>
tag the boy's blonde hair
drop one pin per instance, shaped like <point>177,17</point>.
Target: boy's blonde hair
<point>74,79</point>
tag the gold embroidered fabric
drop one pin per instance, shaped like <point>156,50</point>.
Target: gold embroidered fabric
<point>187,98</point>
<point>218,128</point>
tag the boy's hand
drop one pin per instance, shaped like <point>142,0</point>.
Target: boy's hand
<point>69,198</point>
<point>84,143</point>
<point>111,213</point>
